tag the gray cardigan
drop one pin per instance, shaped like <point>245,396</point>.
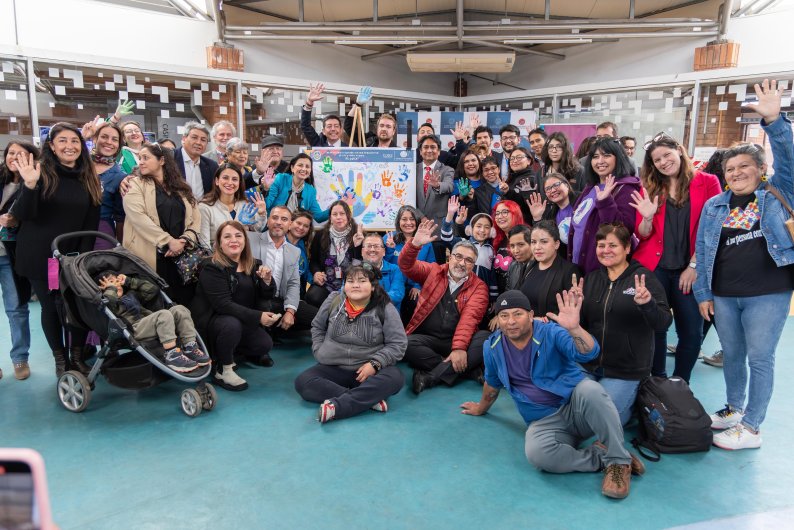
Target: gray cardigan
<point>338,342</point>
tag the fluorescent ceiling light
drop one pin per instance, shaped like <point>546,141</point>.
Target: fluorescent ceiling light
<point>382,41</point>
<point>548,41</point>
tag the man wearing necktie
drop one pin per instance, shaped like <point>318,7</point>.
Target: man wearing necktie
<point>434,186</point>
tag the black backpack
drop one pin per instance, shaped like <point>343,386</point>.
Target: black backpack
<point>672,420</point>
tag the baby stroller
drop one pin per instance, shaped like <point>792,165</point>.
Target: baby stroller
<point>124,361</point>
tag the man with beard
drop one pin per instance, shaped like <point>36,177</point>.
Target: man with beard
<point>510,136</point>
<point>451,305</point>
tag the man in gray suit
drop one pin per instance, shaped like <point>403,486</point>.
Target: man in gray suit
<point>434,185</point>
<point>273,250</point>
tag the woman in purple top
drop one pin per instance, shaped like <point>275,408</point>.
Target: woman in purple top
<point>606,198</point>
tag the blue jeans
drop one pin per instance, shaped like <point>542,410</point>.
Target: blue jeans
<point>688,327</point>
<point>623,393</point>
<point>749,329</point>
<point>17,313</point>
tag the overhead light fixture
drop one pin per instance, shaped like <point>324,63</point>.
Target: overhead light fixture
<point>548,41</point>
<point>376,41</point>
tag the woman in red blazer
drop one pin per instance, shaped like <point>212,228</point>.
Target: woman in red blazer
<point>668,214</point>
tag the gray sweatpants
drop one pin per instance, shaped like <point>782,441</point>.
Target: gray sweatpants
<point>166,325</point>
<point>552,442</point>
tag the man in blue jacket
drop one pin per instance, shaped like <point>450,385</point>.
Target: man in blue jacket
<point>537,363</point>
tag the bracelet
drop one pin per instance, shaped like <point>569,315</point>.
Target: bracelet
<point>376,365</point>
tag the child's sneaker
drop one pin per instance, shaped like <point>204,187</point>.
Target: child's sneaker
<point>194,353</point>
<point>380,406</point>
<point>178,362</point>
<point>726,418</point>
<point>327,412</point>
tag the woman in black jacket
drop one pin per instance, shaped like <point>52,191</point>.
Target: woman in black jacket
<point>60,194</point>
<point>16,290</point>
<point>624,305</point>
<point>558,157</point>
<point>524,179</point>
<point>335,248</point>
<point>232,284</point>
<point>547,274</point>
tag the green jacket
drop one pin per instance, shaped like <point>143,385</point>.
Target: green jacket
<point>142,291</point>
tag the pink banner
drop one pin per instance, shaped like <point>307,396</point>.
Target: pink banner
<point>576,132</point>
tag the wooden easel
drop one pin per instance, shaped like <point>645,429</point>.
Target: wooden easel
<point>358,129</point>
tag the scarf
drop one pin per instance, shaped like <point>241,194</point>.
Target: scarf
<point>294,196</point>
<point>339,243</point>
<point>102,159</point>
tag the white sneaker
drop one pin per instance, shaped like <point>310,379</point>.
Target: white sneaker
<point>726,418</point>
<point>380,406</point>
<point>227,378</point>
<point>737,437</point>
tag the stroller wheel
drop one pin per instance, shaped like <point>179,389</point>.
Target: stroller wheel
<point>74,391</point>
<point>209,396</point>
<point>191,402</point>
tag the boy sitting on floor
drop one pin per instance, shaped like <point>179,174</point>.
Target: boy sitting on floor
<point>127,298</point>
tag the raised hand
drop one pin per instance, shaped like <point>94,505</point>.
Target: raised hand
<point>88,129</point>
<point>29,169</point>
<point>358,237</point>
<point>247,215</point>
<point>474,121</point>
<point>364,95</point>
<point>569,308</point>
<point>434,180</point>
<point>258,200</point>
<point>577,287</point>
<point>609,185</point>
<point>537,206</point>
<point>768,105</point>
<point>641,202</point>
<point>641,293</point>
<point>459,132</point>
<point>453,204</point>
<point>464,187</point>
<point>390,240</point>
<point>315,94</point>
<point>424,233</point>
<point>463,214</point>
<point>125,108</point>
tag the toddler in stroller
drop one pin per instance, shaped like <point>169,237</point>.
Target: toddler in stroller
<point>128,297</point>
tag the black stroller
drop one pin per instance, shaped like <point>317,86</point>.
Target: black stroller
<point>124,361</point>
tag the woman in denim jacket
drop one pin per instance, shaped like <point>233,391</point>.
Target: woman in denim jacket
<point>743,275</point>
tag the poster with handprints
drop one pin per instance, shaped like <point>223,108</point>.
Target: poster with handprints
<point>374,182</point>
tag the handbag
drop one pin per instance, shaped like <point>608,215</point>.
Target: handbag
<point>790,221</point>
<point>188,263</point>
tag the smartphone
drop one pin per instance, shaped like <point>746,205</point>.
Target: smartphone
<point>24,501</point>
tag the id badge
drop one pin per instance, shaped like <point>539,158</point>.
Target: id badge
<point>338,272</point>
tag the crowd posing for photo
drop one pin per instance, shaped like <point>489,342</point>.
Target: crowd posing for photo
<point>551,272</point>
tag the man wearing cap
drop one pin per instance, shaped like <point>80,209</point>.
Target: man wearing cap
<point>272,151</point>
<point>451,305</point>
<point>537,363</point>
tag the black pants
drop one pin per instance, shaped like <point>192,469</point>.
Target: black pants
<point>316,295</point>
<point>51,322</point>
<point>321,382</point>
<point>177,291</point>
<point>427,353</point>
<point>228,337</point>
<point>303,315</point>
<point>407,309</point>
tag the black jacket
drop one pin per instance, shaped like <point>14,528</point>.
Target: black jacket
<point>624,330</point>
<point>207,166</point>
<point>214,296</point>
<point>312,137</point>
<point>69,209</point>
<point>21,284</point>
<point>522,184</point>
<point>558,280</point>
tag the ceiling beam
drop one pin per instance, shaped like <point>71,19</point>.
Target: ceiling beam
<point>518,49</point>
<point>397,51</point>
<point>261,12</point>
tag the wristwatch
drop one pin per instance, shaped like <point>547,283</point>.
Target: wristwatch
<point>693,265</point>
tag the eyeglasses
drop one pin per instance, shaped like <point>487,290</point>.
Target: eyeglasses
<point>460,257</point>
<point>509,137</point>
<point>372,247</point>
<point>490,169</point>
<point>132,131</point>
<point>549,189</point>
<point>555,148</point>
<point>501,213</point>
<point>661,136</point>
<point>517,158</point>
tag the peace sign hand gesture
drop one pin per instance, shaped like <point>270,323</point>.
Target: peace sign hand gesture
<point>29,170</point>
<point>609,185</point>
<point>358,237</point>
<point>641,293</point>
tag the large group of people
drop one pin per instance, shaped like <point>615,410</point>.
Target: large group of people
<point>553,276</point>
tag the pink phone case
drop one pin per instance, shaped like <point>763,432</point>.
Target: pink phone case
<point>36,463</point>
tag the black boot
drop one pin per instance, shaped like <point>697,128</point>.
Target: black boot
<point>61,362</point>
<point>78,355</point>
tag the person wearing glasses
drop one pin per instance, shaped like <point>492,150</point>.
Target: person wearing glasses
<point>524,180</point>
<point>669,209</point>
<point>558,156</point>
<point>606,198</point>
<point>221,133</point>
<point>488,193</point>
<point>451,306</point>
<point>237,155</point>
<point>134,140</point>
<point>510,137</point>
<point>557,207</point>
<point>506,215</point>
<point>744,279</point>
<point>392,280</point>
